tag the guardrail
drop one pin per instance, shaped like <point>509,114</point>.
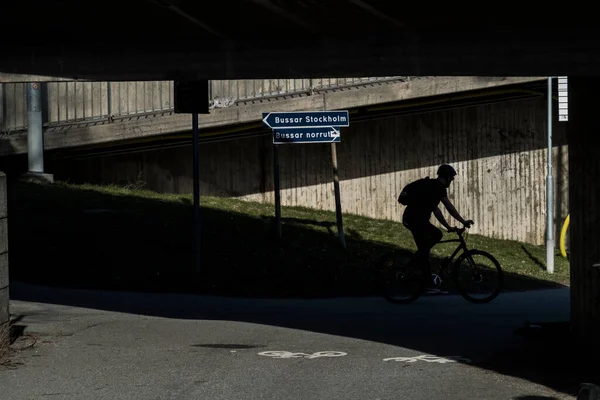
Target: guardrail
<point>73,103</point>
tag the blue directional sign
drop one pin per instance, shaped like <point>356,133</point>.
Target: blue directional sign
<point>306,135</point>
<point>303,119</point>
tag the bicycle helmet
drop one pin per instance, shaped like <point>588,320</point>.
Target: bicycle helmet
<point>446,170</point>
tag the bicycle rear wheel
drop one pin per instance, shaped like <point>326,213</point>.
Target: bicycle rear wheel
<point>398,279</point>
<point>479,278</point>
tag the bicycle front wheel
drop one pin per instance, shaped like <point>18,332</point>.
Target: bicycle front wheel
<point>478,276</point>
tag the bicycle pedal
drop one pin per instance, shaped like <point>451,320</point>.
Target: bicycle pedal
<point>436,291</point>
<point>437,280</point>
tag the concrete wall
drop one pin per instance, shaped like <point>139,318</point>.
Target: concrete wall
<point>498,149</point>
<point>4,314</point>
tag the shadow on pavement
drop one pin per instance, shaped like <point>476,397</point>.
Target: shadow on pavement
<point>443,326</point>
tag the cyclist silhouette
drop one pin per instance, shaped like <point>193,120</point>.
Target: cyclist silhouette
<point>422,198</point>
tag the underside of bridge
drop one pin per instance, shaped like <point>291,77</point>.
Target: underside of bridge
<point>248,39</point>
<point>239,39</point>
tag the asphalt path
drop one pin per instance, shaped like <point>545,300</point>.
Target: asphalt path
<point>118,345</point>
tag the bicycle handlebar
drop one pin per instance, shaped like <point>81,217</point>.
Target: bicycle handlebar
<point>460,231</point>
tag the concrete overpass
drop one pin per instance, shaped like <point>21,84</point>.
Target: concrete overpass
<point>269,39</point>
<point>91,115</point>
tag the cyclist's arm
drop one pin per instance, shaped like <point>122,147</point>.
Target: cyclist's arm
<point>450,207</point>
<point>440,217</point>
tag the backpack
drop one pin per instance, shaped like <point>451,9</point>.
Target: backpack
<point>410,194</point>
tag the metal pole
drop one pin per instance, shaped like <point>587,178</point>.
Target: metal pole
<point>196,179</point>
<point>338,203</point>
<point>549,191</point>
<point>277,190</point>
<point>35,137</point>
<point>108,101</point>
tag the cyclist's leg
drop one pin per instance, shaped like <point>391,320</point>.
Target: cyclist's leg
<point>435,234</point>
<point>422,236</point>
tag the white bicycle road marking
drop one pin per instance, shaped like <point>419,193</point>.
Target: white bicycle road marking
<point>319,354</point>
<point>288,354</point>
<point>430,359</point>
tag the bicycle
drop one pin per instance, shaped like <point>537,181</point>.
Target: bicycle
<point>397,271</point>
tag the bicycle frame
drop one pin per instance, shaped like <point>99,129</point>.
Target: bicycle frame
<point>462,245</point>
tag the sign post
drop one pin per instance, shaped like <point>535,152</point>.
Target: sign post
<point>338,204</point>
<point>196,179</point>
<point>549,190</point>
<point>192,97</point>
<point>277,190</point>
<point>563,116</point>
<point>308,127</point>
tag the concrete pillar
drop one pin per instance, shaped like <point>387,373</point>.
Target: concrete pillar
<point>4,314</point>
<point>584,202</point>
<point>35,134</point>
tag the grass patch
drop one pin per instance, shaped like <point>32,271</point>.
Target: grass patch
<point>116,238</point>
<point>13,340</point>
